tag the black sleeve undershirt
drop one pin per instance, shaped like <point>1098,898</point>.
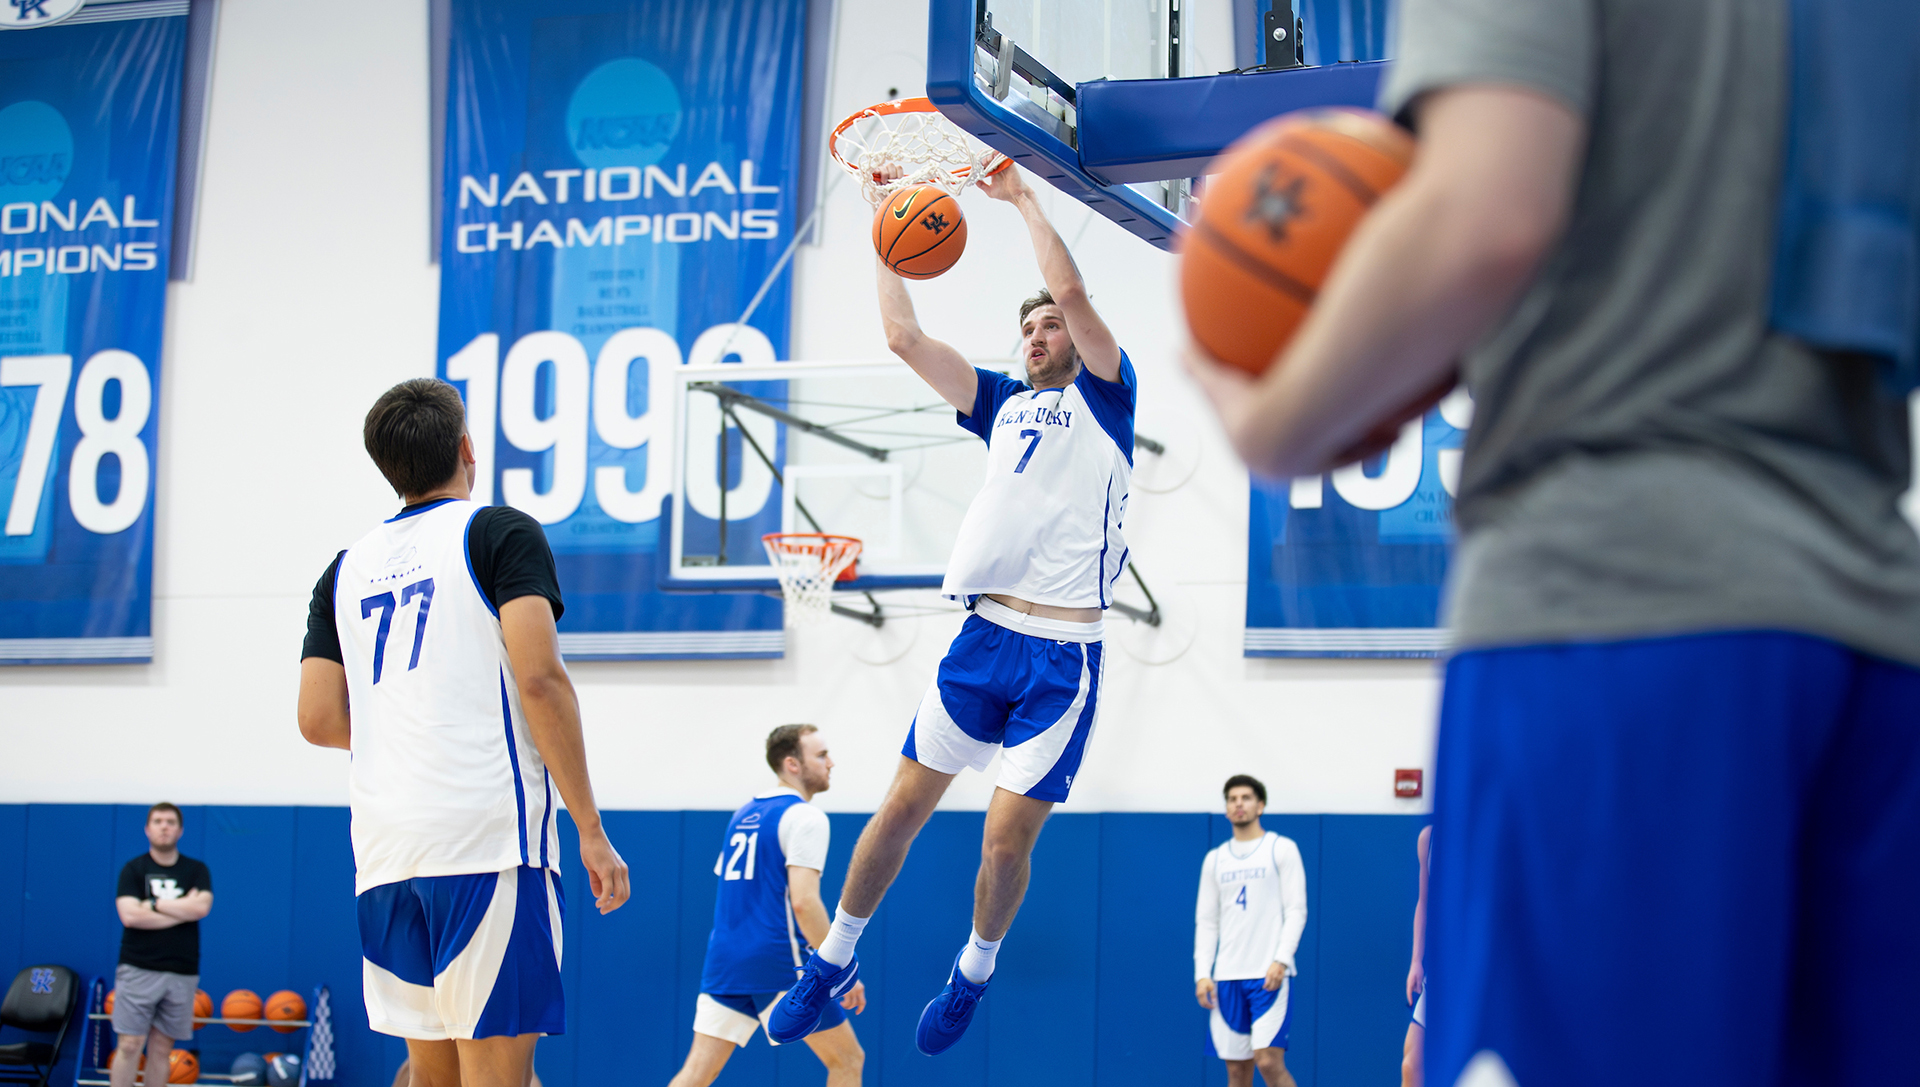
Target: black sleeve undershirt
<point>510,557</point>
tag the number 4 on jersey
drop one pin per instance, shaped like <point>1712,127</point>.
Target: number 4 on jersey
<point>1241,899</point>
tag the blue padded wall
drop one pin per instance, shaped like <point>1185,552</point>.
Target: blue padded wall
<point>1095,985</point>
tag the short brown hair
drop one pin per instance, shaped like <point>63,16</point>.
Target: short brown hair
<point>785,741</point>
<point>413,434</point>
<point>1249,781</point>
<point>164,806</point>
<point>1044,298</point>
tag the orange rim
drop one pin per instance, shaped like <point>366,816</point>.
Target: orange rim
<point>888,109</point>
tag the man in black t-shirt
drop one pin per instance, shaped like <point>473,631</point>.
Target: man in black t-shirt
<point>162,897</point>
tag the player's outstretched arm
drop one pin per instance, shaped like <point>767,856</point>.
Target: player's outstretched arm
<point>1417,972</point>
<point>947,370</point>
<point>553,717</point>
<point>1436,263</point>
<point>322,712</point>
<point>1091,337</point>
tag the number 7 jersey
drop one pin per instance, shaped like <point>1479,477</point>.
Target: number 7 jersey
<point>445,778</point>
<point>1045,526</point>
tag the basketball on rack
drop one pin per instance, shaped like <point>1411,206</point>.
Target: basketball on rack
<point>108,1008</point>
<point>287,1005</point>
<point>202,1004</point>
<point>241,1004</point>
<point>1281,203</point>
<point>919,231</point>
<point>248,1070</point>
<point>183,1067</point>
<point>283,1070</point>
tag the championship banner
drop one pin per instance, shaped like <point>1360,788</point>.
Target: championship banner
<point>619,185</point>
<point>1352,563</point>
<point>89,131</point>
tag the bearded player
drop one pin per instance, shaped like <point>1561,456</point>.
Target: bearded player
<point>1034,562</point>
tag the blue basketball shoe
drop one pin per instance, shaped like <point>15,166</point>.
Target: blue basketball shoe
<point>948,1014</point>
<point>799,1011</point>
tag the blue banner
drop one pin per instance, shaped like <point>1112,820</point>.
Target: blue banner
<point>1352,563</point>
<point>619,185</point>
<point>89,132</point>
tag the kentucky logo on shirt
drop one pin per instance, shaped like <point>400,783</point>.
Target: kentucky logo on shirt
<point>163,887</point>
<point>1036,414</point>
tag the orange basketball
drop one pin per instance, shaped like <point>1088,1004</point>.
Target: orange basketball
<point>241,1004</point>
<point>183,1067</point>
<point>1284,199</point>
<point>919,231</point>
<point>286,1004</point>
<point>202,1004</point>
<point>109,1008</point>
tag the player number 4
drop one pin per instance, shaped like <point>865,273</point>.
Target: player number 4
<point>742,843</point>
<point>1241,899</point>
<point>1028,455</point>
<point>386,606</point>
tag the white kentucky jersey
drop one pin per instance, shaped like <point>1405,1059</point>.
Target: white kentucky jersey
<point>1045,526</point>
<point>1252,909</point>
<point>445,779</point>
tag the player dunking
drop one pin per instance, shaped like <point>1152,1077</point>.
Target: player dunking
<point>1035,560</point>
<point>771,857</point>
<point>431,655</point>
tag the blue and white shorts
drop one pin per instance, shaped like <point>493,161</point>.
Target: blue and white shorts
<point>464,956</point>
<point>1017,684</point>
<point>733,1017</point>
<point>1420,1011</point>
<point>1248,1016</point>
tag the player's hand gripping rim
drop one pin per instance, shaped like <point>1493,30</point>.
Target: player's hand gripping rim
<point>606,872</point>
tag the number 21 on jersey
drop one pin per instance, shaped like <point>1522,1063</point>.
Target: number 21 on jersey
<point>742,843</point>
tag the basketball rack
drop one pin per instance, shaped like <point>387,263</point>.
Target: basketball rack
<point>317,1061</point>
<point>733,401</point>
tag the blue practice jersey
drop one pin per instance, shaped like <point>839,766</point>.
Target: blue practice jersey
<point>755,946</point>
<point>1045,526</point>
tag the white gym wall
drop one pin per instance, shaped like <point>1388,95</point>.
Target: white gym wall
<point>313,293</point>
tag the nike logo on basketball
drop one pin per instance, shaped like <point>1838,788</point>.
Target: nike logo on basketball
<point>901,211</point>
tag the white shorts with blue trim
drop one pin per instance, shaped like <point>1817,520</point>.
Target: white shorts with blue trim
<point>474,956</point>
<point>1420,1011</point>
<point>1015,684</point>
<point>1249,1016</point>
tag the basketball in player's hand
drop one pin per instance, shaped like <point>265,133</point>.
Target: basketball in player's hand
<point>919,231</point>
<point>1281,204</point>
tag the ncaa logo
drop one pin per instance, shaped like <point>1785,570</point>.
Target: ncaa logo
<point>29,14</point>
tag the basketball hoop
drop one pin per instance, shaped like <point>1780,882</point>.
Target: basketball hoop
<point>808,564</point>
<point>910,134</point>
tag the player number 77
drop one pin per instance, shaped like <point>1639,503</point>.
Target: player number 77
<point>386,606</point>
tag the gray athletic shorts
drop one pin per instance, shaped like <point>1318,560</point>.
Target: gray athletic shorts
<point>153,998</point>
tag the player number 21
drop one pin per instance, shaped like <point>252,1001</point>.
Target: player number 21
<point>742,843</point>
<point>386,606</point>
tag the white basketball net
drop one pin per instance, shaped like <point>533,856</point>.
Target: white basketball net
<point>912,137</point>
<point>807,565</point>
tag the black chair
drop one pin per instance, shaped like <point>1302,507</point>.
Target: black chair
<point>41,999</point>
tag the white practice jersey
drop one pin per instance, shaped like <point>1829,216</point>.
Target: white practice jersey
<point>1252,909</point>
<point>1045,526</point>
<point>445,779</point>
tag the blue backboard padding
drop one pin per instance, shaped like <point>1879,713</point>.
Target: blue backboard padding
<point>1151,129</point>
<point>1095,984</point>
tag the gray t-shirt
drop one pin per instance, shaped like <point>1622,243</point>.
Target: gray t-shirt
<point>1646,458</point>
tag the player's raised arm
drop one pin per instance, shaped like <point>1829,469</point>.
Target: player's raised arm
<point>1091,337</point>
<point>947,370</point>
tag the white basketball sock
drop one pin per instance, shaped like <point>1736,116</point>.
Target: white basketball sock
<point>976,962</point>
<point>837,948</point>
